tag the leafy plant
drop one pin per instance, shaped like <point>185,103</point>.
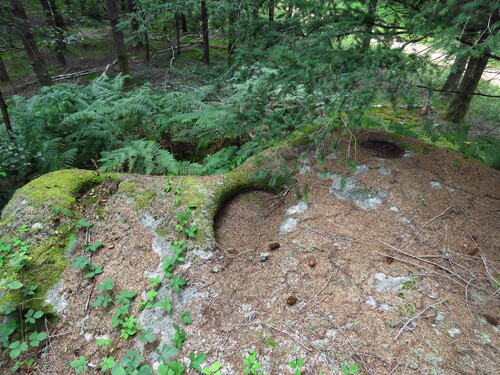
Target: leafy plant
<point>251,364</point>
<point>297,364</point>
<point>166,304</point>
<point>104,343</point>
<point>93,248</point>
<point>31,316</point>
<point>107,363</point>
<point>197,360</point>
<point>17,348</point>
<point>102,300</point>
<point>167,352</point>
<point>186,319</point>
<point>179,337</point>
<point>351,370</point>
<point>213,370</point>
<point>147,336</point>
<point>106,285</point>
<point>80,364</point>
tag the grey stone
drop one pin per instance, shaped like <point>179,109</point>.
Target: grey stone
<point>435,185</point>
<point>304,169</point>
<point>386,283</point>
<point>215,269</point>
<point>384,171</point>
<point>371,301</point>
<point>345,188</point>
<point>264,256</point>
<point>299,208</point>
<point>362,169</point>
<point>57,299</point>
<point>333,155</point>
<point>149,222</point>
<point>288,225</point>
<point>454,332</point>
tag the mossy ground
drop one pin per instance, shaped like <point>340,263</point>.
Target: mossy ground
<point>34,204</point>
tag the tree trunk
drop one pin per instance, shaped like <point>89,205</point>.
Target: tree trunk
<point>58,18</point>
<point>231,43</point>
<point>204,28</point>
<point>5,116</point>
<point>184,23</point>
<point>178,32</point>
<point>146,46</point>
<point>456,72</point>
<point>475,67</point>
<point>271,10</point>
<point>369,21</point>
<point>460,104</point>
<point>30,46</point>
<point>4,76</point>
<point>60,45</point>
<point>121,51</point>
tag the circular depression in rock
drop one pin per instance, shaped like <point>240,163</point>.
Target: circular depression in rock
<point>248,221</point>
<point>383,148</point>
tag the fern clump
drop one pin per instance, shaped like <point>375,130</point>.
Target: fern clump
<point>146,157</point>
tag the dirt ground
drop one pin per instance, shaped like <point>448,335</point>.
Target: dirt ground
<point>392,265</point>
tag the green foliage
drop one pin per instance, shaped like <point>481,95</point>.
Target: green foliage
<point>251,364</point>
<point>31,316</point>
<point>93,248</point>
<point>145,157</point>
<point>186,319</point>
<point>351,370</point>
<point>197,360</point>
<point>179,337</point>
<point>80,364</point>
<point>177,282</point>
<point>212,370</point>
<point>104,343</point>
<point>107,363</point>
<point>297,364</point>
<point>147,336</point>
<point>166,304</point>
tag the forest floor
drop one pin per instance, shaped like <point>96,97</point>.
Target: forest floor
<point>392,266</point>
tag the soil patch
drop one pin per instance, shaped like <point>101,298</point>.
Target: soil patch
<point>383,149</point>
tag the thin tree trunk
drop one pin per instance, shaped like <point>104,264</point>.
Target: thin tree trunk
<point>184,23</point>
<point>178,32</point>
<point>146,46</point>
<point>271,10</point>
<point>121,51</point>
<point>231,43</point>
<point>60,45</point>
<point>30,46</point>
<point>5,116</point>
<point>4,76</point>
<point>475,67</point>
<point>204,28</point>
<point>460,104</point>
<point>58,18</point>
<point>456,72</point>
<point>369,21</point>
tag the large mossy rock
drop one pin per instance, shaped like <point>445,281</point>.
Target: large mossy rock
<point>51,236</point>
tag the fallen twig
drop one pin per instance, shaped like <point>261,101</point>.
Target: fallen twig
<point>416,316</point>
<point>431,220</point>
<point>425,261</point>
<point>319,292</point>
